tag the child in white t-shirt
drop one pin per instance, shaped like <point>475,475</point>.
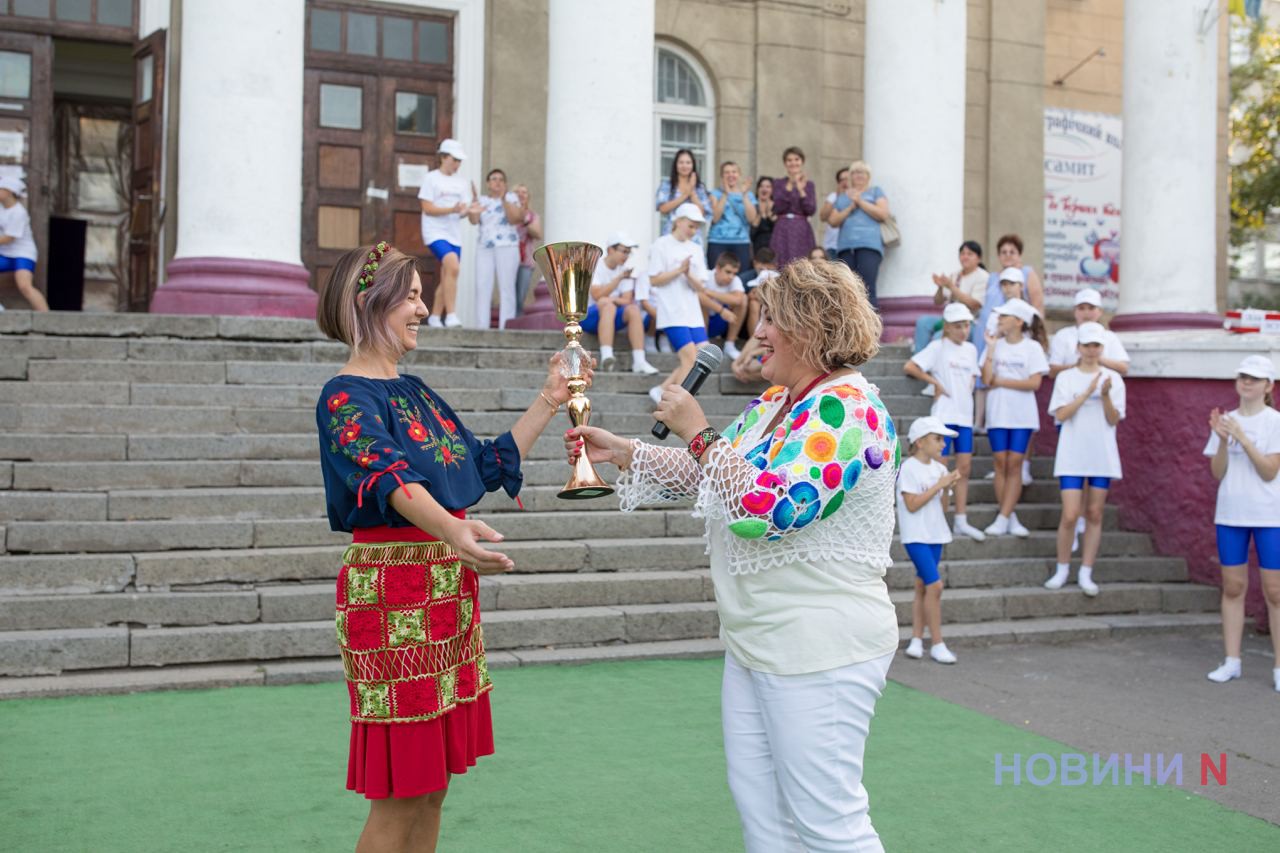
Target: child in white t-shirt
<point>445,197</point>
<point>614,306</point>
<point>1011,287</point>
<point>922,527</point>
<point>17,243</point>
<point>1244,454</point>
<point>1013,368</point>
<point>1088,400</point>
<point>950,365</point>
<point>724,303</point>
<point>677,275</point>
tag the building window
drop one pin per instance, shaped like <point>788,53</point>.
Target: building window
<point>684,112</point>
<point>373,35</point>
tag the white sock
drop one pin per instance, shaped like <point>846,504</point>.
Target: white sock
<point>1235,662</point>
<point>605,352</point>
<point>1086,575</point>
<point>637,357</point>
<point>961,518</point>
<point>1062,570</point>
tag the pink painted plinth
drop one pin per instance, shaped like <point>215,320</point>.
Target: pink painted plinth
<point>541,315</point>
<point>235,286</point>
<point>898,315</point>
<point>1164,320</point>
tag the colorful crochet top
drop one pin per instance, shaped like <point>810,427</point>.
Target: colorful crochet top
<point>376,435</point>
<point>820,485</point>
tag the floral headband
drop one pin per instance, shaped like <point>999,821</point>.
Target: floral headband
<point>371,267</point>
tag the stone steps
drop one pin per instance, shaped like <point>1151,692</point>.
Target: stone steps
<point>162,518</point>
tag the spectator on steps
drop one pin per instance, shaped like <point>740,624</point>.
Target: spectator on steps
<point>858,212</point>
<point>530,232</point>
<point>762,231</point>
<point>498,250</point>
<point>400,472</point>
<point>446,197</point>
<point>733,212</point>
<point>17,243</point>
<point>794,201</point>
<point>677,276</point>
<point>1244,455</point>
<point>967,287</point>
<point>683,186</point>
<point>614,307</point>
<point>1088,400</point>
<point>798,497</point>
<point>831,233</point>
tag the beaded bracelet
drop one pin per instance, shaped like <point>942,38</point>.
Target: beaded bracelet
<point>701,442</point>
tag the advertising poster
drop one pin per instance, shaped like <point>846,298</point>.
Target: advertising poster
<point>1081,206</point>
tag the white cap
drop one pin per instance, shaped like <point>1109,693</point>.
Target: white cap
<point>928,425</point>
<point>1088,296</point>
<point>1259,367</point>
<point>1013,274</point>
<point>957,312</point>
<point>1017,308</point>
<point>1091,333</point>
<point>689,210</point>
<point>13,184</point>
<point>621,238</point>
<point>453,148</point>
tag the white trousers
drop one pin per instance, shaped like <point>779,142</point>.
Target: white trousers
<point>504,262</point>
<point>794,746</point>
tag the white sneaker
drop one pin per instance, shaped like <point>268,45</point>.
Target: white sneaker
<point>999,527</point>
<point>1275,674</point>
<point>990,475</point>
<point>664,345</point>
<point>1058,580</point>
<point>434,322</point>
<point>731,349</point>
<point>655,394</point>
<point>608,364</point>
<point>451,321</point>
<point>643,367</point>
<point>967,529</point>
<point>1088,587</point>
<point>1230,669</point>
<point>942,654</point>
<point>915,648</point>
<point>1016,528</point>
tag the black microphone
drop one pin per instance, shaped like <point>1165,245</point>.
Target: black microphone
<point>709,358</point>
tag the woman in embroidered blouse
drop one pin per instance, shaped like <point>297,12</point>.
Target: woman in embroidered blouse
<point>400,471</point>
<point>798,497</point>
<point>794,201</point>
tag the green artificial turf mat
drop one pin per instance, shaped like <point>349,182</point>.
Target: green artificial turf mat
<point>606,758</point>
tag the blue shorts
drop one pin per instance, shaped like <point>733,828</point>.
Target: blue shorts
<point>681,336</point>
<point>1005,440</point>
<point>591,322</point>
<point>926,558</point>
<point>963,442</point>
<point>717,327</point>
<point>1066,483</point>
<point>1233,545</point>
<point>15,264</point>
<point>440,248</point>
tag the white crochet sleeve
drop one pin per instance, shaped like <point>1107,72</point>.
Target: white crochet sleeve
<point>657,475</point>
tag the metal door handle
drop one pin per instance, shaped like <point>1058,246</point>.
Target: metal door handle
<point>377,192</point>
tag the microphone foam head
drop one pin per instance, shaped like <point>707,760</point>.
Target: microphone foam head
<point>710,356</point>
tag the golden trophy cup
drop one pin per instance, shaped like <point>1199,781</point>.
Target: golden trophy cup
<point>568,267</point>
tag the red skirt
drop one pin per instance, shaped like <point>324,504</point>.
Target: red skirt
<point>409,628</point>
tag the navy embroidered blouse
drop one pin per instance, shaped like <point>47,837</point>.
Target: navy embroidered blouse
<point>378,434</point>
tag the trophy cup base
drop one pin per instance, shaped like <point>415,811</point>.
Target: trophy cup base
<point>581,493</point>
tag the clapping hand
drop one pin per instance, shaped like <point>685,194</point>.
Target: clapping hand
<point>1106,387</point>
<point>943,281</point>
<point>1216,424</point>
<point>1233,429</point>
<point>950,479</point>
<point>1093,385</point>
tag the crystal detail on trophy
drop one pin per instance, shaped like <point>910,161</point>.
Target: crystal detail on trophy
<point>568,268</point>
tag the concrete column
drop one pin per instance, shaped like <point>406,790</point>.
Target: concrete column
<point>913,139</point>
<point>599,172</point>
<point>239,200</point>
<point>1168,272</point>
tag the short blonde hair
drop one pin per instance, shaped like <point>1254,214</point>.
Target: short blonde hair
<point>822,307</point>
<point>860,166</point>
<point>362,323</point>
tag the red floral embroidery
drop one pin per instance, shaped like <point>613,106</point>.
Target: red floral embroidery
<point>365,459</point>
<point>447,423</point>
<point>338,400</point>
<point>350,432</point>
<point>417,431</point>
<point>447,454</point>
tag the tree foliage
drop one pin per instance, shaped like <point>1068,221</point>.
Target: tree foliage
<point>1255,134</point>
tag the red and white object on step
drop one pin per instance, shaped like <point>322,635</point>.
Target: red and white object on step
<point>1253,320</point>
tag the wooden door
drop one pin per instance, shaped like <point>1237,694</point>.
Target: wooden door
<point>379,85</point>
<point>26,113</point>
<point>144,184</point>
<point>340,167</point>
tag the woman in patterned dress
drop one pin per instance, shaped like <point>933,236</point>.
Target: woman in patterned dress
<point>400,471</point>
<point>794,201</point>
<point>798,497</point>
